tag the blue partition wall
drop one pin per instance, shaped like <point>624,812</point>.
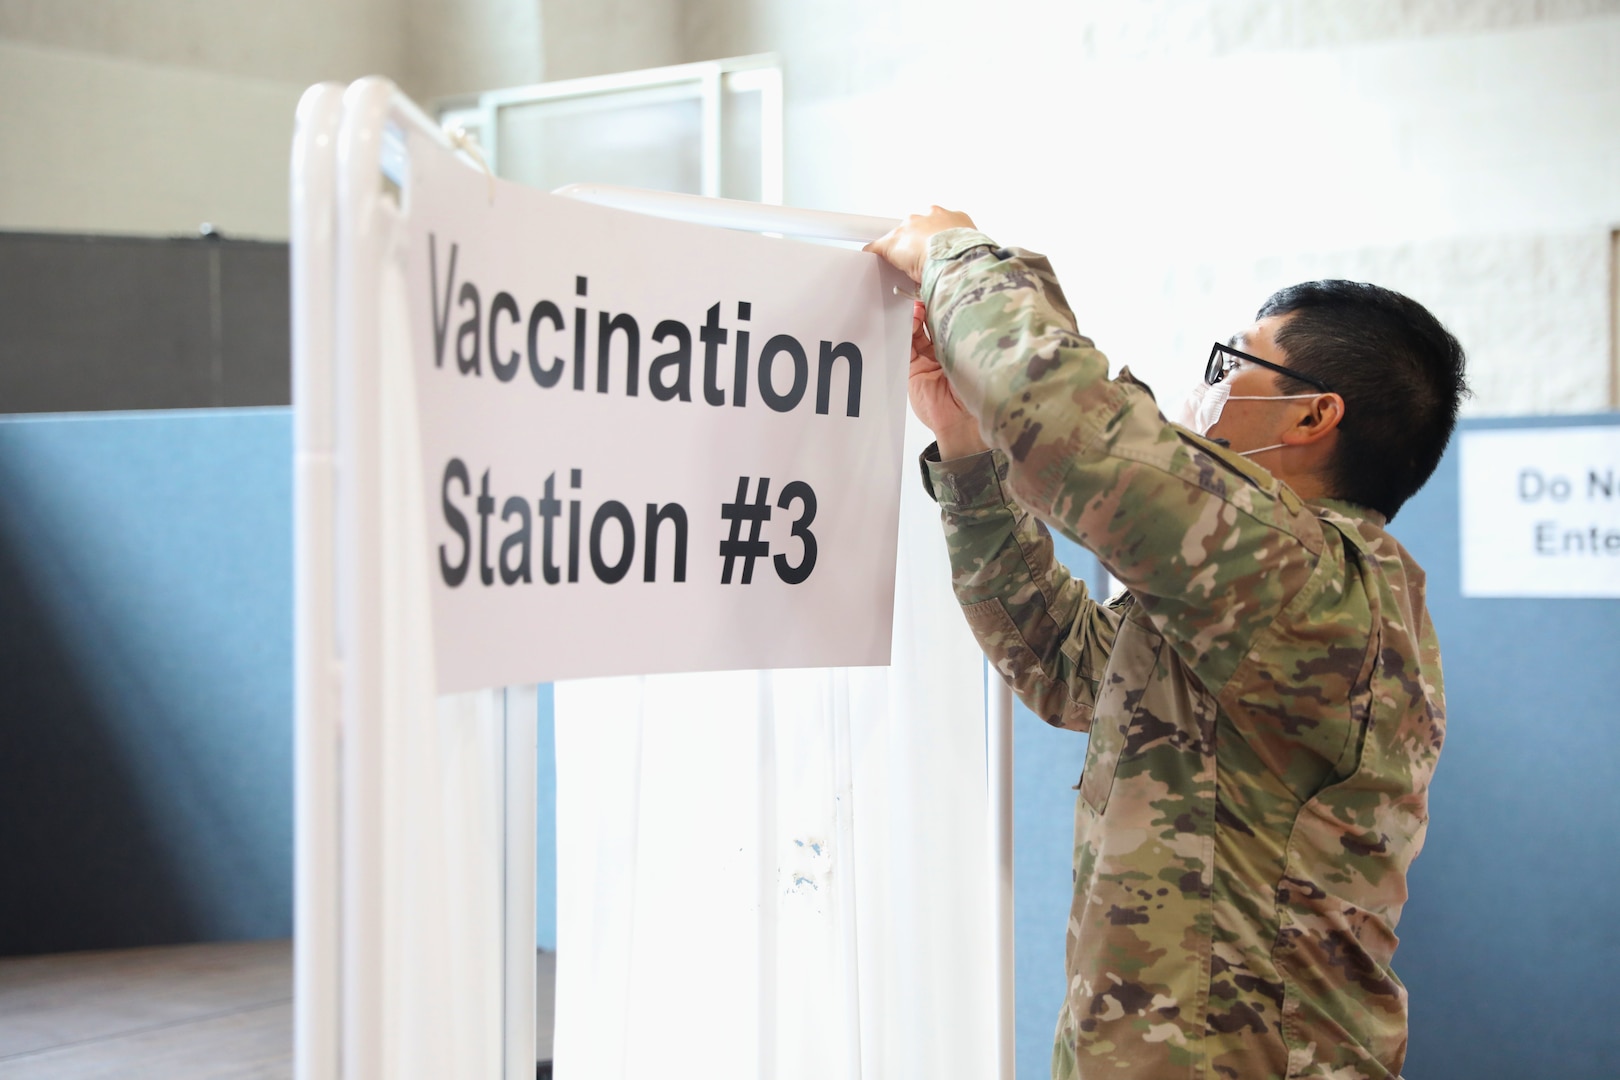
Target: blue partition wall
<point>146,682</point>
<point>145,678</point>
<point>1046,769</point>
<point>1510,942</point>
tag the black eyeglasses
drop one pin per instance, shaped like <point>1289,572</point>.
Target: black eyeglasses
<point>1223,358</point>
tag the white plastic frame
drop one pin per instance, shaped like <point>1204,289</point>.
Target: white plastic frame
<point>337,680</point>
<point>336,227</point>
<point>316,673</point>
<point>706,82</point>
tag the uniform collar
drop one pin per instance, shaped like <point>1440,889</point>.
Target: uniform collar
<point>1354,511</point>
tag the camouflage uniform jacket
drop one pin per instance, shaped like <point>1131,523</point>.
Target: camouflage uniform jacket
<point>1264,702</point>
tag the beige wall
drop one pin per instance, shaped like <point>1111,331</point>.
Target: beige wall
<point>153,116</point>
<point>595,37</point>
<point>464,46</point>
<point>119,146</point>
<point>297,42</point>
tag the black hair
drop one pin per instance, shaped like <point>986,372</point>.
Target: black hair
<point>1399,371</point>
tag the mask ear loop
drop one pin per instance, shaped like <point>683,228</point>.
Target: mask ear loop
<point>1261,450</point>
<point>1265,397</point>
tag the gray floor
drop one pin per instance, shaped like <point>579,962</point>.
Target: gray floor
<point>181,1012</point>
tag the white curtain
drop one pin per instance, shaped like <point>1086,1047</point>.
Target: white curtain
<point>442,819</point>
<point>731,903</point>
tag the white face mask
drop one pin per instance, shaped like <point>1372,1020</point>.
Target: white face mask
<point>1203,407</point>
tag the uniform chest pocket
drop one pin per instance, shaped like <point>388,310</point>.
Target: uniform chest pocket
<point>1125,682</point>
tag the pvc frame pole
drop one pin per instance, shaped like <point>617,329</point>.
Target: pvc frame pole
<point>734,213</point>
<point>316,677</point>
<point>358,526</point>
<point>520,709</point>
<point>844,872</point>
<point>999,751</point>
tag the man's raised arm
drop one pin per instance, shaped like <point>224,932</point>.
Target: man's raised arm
<point>1211,546</point>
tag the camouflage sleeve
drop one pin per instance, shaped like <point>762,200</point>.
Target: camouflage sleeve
<point>1034,621</point>
<point>1211,545</point>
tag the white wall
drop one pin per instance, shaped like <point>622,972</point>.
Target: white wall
<point>1180,160</point>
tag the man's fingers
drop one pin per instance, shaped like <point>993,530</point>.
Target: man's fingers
<point>884,244</point>
<point>919,324</point>
<point>906,245</point>
<point>921,346</point>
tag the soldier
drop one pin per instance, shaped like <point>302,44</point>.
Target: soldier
<point>1264,699</point>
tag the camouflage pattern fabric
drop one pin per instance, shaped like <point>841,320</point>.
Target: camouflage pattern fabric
<point>1264,701</point>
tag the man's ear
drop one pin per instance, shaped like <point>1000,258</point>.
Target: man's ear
<point>1319,419</point>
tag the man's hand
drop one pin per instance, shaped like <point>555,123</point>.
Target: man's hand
<point>906,245</point>
<point>933,400</point>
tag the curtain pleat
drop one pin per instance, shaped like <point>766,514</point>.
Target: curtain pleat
<point>711,871</point>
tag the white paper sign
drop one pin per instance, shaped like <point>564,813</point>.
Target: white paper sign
<point>1541,512</point>
<point>648,446</point>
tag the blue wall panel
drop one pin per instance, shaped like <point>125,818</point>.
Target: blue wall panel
<point>1510,940</point>
<point>146,682</point>
<point>145,679</point>
<point>1046,768</point>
